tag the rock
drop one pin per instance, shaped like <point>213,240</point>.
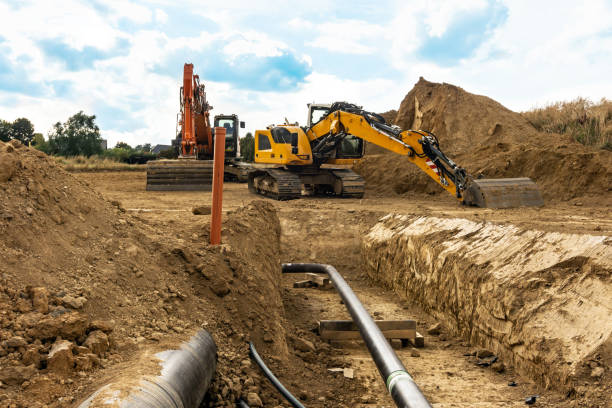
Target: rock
<point>220,287</point>
<point>8,167</point>
<point>267,337</point>
<point>106,326</point>
<point>597,372</point>
<point>86,362</point>
<point>498,367</point>
<point>201,210</point>
<point>97,342</point>
<point>435,329</point>
<point>31,356</point>
<point>414,353</point>
<point>253,400</point>
<point>29,210</point>
<point>61,359</point>
<point>303,344</point>
<point>16,375</point>
<point>74,303</point>
<point>69,326</point>
<point>132,251</point>
<point>15,342</point>
<point>40,299</point>
<point>484,353</point>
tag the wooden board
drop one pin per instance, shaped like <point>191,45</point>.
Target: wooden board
<point>348,330</point>
<point>320,280</point>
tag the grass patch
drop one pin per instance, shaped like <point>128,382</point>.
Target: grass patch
<point>586,122</point>
<point>96,163</point>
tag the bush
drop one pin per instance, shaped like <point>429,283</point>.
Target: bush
<point>585,121</point>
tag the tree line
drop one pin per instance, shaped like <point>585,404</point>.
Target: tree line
<point>80,136</point>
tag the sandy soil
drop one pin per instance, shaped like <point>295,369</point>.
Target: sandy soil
<point>329,231</point>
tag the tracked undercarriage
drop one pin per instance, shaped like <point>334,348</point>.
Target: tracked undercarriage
<point>282,183</point>
<point>179,175</point>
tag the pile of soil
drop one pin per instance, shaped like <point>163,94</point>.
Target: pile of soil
<point>86,288</point>
<point>490,140</point>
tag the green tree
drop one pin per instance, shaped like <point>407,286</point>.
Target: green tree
<point>6,130</point>
<point>39,142</point>
<point>79,135</point>
<point>123,145</point>
<point>145,148</point>
<point>247,147</point>
<point>23,130</point>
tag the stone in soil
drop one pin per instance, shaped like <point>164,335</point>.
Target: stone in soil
<point>61,359</point>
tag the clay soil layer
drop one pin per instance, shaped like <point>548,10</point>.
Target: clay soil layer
<point>539,300</point>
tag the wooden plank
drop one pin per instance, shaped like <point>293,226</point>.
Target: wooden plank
<point>320,280</point>
<point>303,284</point>
<point>419,340</point>
<point>348,330</point>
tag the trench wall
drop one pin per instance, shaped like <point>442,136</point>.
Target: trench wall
<point>542,301</point>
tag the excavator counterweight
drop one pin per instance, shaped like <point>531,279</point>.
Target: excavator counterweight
<point>292,161</point>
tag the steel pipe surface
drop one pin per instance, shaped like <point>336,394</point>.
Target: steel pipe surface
<point>404,391</point>
<point>185,376</point>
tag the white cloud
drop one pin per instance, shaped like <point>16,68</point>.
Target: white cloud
<point>253,42</point>
<point>545,51</point>
<point>348,37</point>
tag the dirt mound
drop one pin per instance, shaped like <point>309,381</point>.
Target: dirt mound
<point>486,138</point>
<point>86,288</point>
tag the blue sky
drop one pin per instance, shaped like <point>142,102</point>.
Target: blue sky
<point>122,60</point>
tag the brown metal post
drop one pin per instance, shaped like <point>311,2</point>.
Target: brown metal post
<point>217,186</point>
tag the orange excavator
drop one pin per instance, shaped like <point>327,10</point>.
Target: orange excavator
<point>194,144</point>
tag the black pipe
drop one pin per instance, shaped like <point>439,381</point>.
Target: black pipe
<point>184,377</point>
<point>275,382</point>
<point>404,391</point>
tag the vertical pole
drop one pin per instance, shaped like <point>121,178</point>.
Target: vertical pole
<point>217,187</point>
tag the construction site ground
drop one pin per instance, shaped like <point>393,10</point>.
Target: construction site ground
<point>329,230</point>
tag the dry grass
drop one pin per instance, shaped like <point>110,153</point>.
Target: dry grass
<point>586,122</point>
<point>96,163</point>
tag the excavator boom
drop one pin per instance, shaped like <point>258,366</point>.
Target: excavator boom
<point>423,149</point>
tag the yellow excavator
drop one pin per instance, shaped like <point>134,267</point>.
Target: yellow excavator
<point>291,160</point>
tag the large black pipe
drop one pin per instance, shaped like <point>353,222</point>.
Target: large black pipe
<point>270,375</point>
<point>404,391</point>
<point>183,380</point>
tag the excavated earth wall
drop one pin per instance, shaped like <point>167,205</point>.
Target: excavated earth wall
<point>541,301</point>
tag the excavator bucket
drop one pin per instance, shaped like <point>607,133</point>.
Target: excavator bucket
<point>503,193</point>
<point>179,175</point>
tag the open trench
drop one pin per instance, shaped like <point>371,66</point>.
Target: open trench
<point>445,368</point>
<point>374,258</point>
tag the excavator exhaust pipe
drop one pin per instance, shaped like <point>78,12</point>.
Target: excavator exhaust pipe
<point>503,193</point>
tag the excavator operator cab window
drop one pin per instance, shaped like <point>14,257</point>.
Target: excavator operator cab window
<point>228,124</point>
<point>316,114</point>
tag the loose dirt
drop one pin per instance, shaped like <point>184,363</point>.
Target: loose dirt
<point>489,140</point>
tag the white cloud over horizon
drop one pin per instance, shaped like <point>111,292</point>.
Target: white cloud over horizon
<point>123,60</point>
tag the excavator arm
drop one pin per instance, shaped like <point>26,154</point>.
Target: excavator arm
<point>421,148</point>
